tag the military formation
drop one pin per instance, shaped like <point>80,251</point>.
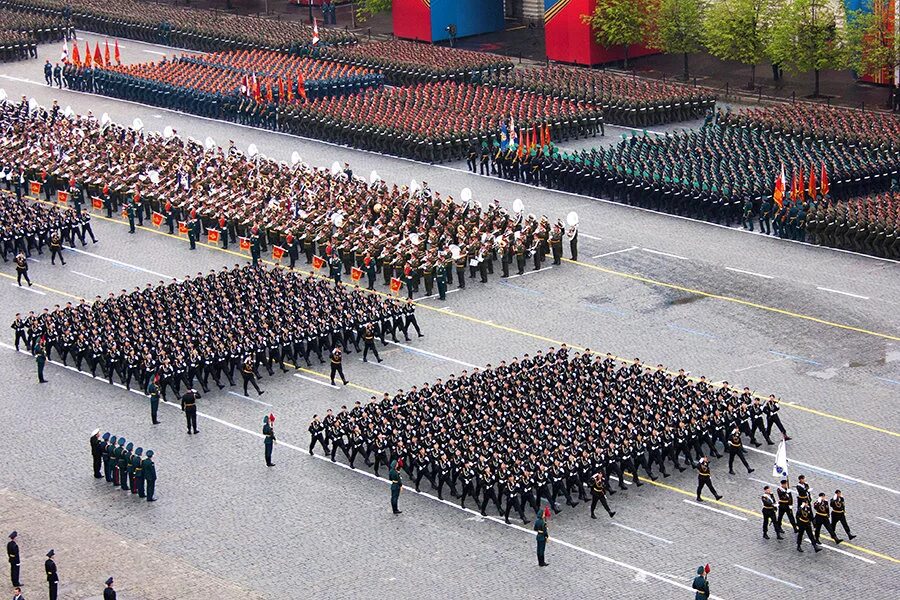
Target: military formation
<point>27,228</point>
<point>870,224</point>
<point>21,32</point>
<point>181,26</point>
<point>811,515</point>
<point>167,337</point>
<point>547,427</point>
<point>124,465</point>
<point>625,100</point>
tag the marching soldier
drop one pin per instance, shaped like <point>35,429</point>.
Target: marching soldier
<point>768,511</point>
<point>820,507</point>
<point>598,494</point>
<point>369,345</point>
<point>22,269</point>
<point>704,478</point>
<point>336,366</point>
<point>540,526</point>
<point>248,372</point>
<point>837,514</point>
<point>56,248</point>
<point>804,525</point>
<point>771,409</point>
<point>803,493</point>
<point>736,448</point>
<point>317,434</point>
<point>269,440</point>
<point>189,406</point>
<point>786,504</point>
<point>20,329</point>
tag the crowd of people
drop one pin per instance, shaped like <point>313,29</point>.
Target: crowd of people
<point>542,428</point>
<point>124,465</point>
<point>27,228</point>
<point>625,100</point>
<point>182,26</point>
<point>870,224</point>
<point>409,63</point>
<point>205,327</point>
<point>400,232</point>
<point>21,32</point>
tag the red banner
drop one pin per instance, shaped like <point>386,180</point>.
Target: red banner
<point>244,243</point>
<point>182,228</point>
<point>396,284</point>
<point>62,196</point>
<point>212,235</point>
<point>356,274</point>
<point>277,252</point>
<point>156,218</point>
<point>318,262</point>
<point>35,188</point>
<point>97,203</point>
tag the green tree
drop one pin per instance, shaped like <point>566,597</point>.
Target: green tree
<point>738,30</point>
<point>873,45</point>
<point>618,23</point>
<point>677,27</point>
<point>367,8</point>
<point>806,37</point>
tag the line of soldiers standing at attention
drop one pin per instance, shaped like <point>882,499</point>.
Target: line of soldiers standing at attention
<point>27,227</point>
<point>123,465</point>
<point>207,326</point>
<point>810,513</point>
<point>546,427</point>
<point>179,183</point>
<point>20,33</point>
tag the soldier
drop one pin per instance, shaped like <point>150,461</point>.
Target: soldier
<point>148,475</point>
<point>768,511</point>
<point>189,407</point>
<point>771,409</point>
<point>369,341</point>
<point>56,248</point>
<point>52,575</point>
<point>837,514</point>
<point>804,525</point>
<point>786,504</point>
<point>269,440</point>
<point>20,328</point>
<point>441,280</point>
<point>137,472</point>
<point>336,366</point>
<point>540,526</point>
<point>40,356</point>
<point>803,493</point>
<point>701,584</point>
<point>736,448</point>
<point>704,478</point>
<point>12,553</point>
<point>96,453</point>
<point>317,434</point>
<point>598,494</point>
<point>108,592</point>
<point>153,393</point>
<point>820,507</point>
<point>248,372</point>
<point>22,269</point>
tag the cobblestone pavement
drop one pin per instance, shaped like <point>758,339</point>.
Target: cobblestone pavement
<point>710,299</point>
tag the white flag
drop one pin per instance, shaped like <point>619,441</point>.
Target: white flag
<point>315,38</point>
<point>780,470</point>
<point>65,51</point>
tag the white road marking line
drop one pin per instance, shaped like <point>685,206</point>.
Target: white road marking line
<point>532,272</point>
<point>895,523</point>
<point>37,260</point>
<point>27,289</point>
<point>768,362</point>
<point>21,80</point>
<point>9,346</point>
<point>154,52</point>
<point>589,236</point>
<point>375,363</point>
<point>328,385</point>
<point>769,577</point>
<point>759,481</point>
<point>721,512</point>
<point>664,254</point>
<point>88,276</point>
<point>824,289</point>
<point>435,355</point>
<point>828,472</point>
<point>615,252</point>
<point>436,295</point>
<point>470,511</point>
<point>749,273</point>
<point>243,397</point>
<point>639,532</point>
<point>121,264</point>
<point>850,554</point>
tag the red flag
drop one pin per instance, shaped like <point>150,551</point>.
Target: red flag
<point>315,36</point>
<point>269,91</point>
<point>801,187</point>
<point>355,274</point>
<point>396,284</point>
<point>706,569</point>
<point>98,58</point>
<point>87,54</point>
<point>547,135</point>
<point>301,90</point>
<point>812,184</point>
<point>244,243</point>
<point>116,53</point>
<point>35,188</point>
<point>97,203</point>
<point>62,197</point>
<point>280,90</point>
<point>182,228</point>
<point>823,181</point>
<point>277,252</point>
<point>318,262</point>
<point>106,52</point>
<point>271,417</point>
<point>157,219</point>
<point>212,235</point>
<point>780,183</point>
<point>76,56</point>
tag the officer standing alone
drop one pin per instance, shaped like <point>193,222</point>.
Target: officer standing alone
<point>540,526</point>
<point>269,440</point>
<point>396,485</point>
<point>52,576</point>
<point>12,554</point>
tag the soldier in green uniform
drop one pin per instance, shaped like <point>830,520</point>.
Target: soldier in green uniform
<point>40,356</point>
<point>441,279</point>
<point>148,470</point>
<point>137,472</point>
<point>701,585</point>
<point>396,484</point>
<point>269,435</point>
<point>130,211</point>
<point>540,526</point>
<point>153,392</point>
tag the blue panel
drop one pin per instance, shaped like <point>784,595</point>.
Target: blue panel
<point>471,17</point>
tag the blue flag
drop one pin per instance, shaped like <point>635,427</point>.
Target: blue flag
<point>504,136</point>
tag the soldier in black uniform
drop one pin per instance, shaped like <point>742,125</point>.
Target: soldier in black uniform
<point>108,592</point>
<point>189,406</point>
<point>786,504</point>
<point>803,493</point>
<point>771,409</point>
<point>838,509</point>
<point>269,441</point>
<point>317,434</point>
<point>820,507</point>
<point>336,366</point>
<point>804,525</point>
<point>736,448</point>
<point>704,478</point>
<point>248,372</point>
<point>12,554</point>
<point>52,575</point>
<point>598,494</point>
<point>768,511</point>
<point>369,344</point>
<point>22,269</point>
<point>96,453</point>
<point>148,471</point>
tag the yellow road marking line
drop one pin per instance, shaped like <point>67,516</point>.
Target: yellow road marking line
<point>505,328</point>
<point>47,288</point>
